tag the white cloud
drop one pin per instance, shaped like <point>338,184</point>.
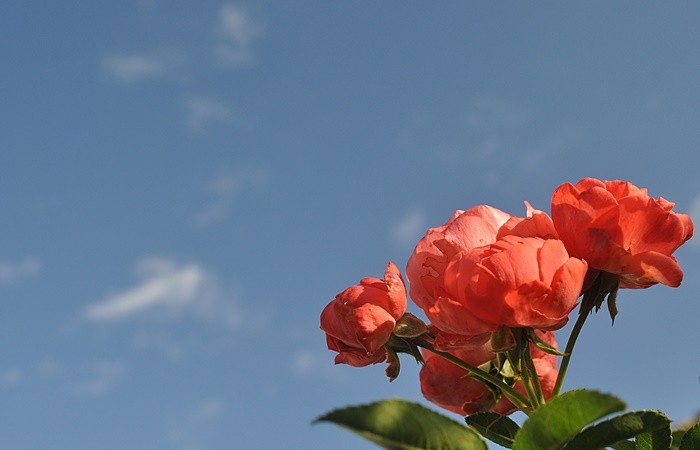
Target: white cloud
<point>208,410</point>
<point>410,228</point>
<point>102,377</point>
<point>168,290</point>
<point>11,377</point>
<point>173,309</point>
<point>19,270</point>
<point>164,285</point>
<point>230,183</point>
<point>304,362</point>
<point>215,212</point>
<point>202,111</point>
<point>237,32</point>
<point>226,187</point>
<point>130,68</point>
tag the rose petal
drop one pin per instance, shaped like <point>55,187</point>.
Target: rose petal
<point>649,268</point>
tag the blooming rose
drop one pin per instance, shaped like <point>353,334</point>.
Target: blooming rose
<point>464,231</point>
<point>450,387</point>
<point>517,282</point>
<point>616,227</point>
<point>484,269</point>
<point>359,321</point>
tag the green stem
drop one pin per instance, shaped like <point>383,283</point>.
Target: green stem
<point>586,307</point>
<point>519,400</point>
<point>525,375</point>
<point>532,374</point>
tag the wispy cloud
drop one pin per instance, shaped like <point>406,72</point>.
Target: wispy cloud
<point>305,362</point>
<point>50,368</point>
<point>163,285</point>
<point>11,377</point>
<point>409,228</point>
<point>134,67</point>
<point>208,410</point>
<point>167,290</point>
<point>201,112</point>
<point>226,187</point>
<point>102,376</point>
<point>237,31</point>
<point>500,140</point>
<point>19,270</point>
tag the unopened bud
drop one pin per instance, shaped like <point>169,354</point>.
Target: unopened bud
<point>502,340</point>
<point>410,326</point>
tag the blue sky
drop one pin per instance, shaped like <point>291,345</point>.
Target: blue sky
<point>185,185</point>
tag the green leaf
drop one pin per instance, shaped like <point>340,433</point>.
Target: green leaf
<point>542,345</point>
<point>495,427</point>
<point>654,440</point>
<point>677,437</point>
<point>552,425</point>
<point>612,305</point>
<point>617,429</point>
<point>410,326</point>
<point>691,439</point>
<point>401,425</point>
<point>623,445</point>
<point>393,367</point>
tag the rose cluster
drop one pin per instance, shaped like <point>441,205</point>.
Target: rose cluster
<point>485,271</point>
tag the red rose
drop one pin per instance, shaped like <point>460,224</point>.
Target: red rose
<point>484,269</point>
<point>517,282</point>
<point>616,227</point>
<point>425,270</point>
<point>360,320</point>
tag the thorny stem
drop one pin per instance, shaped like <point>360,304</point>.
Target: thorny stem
<point>519,400</point>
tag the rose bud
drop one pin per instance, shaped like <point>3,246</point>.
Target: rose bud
<point>360,320</point>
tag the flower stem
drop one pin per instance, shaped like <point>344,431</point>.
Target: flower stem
<point>534,400</point>
<point>586,306</point>
<point>519,400</point>
<point>605,286</point>
<point>534,378</point>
